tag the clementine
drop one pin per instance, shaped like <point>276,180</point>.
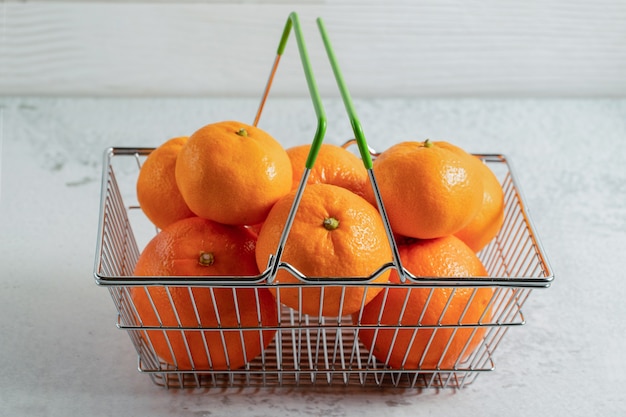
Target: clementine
<point>232,173</point>
<point>157,192</point>
<point>333,165</point>
<point>428,188</point>
<point>335,233</point>
<point>486,224</point>
<point>200,247</point>
<point>437,345</point>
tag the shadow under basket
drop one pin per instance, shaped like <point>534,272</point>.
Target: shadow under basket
<point>307,350</point>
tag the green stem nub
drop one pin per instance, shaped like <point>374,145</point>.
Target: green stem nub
<point>206,258</point>
<point>428,143</point>
<point>242,132</point>
<point>330,223</point>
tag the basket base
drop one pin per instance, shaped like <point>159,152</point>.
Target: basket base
<point>336,362</point>
<point>319,380</point>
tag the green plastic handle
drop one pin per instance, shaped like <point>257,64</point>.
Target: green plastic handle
<point>294,22</point>
<point>347,100</point>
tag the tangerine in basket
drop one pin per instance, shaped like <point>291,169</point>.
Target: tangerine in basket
<point>429,189</point>
<point>428,347</point>
<point>232,173</point>
<point>335,233</point>
<point>201,247</point>
<point>157,192</point>
<point>333,165</point>
<point>486,224</point>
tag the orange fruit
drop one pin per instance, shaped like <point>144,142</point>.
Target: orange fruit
<point>335,233</point>
<point>486,224</point>
<point>429,189</point>
<point>232,173</point>
<point>428,347</point>
<point>201,247</point>
<point>157,192</point>
<point>333,165</point>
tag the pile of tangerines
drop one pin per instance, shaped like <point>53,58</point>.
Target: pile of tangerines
<point>220,199</point>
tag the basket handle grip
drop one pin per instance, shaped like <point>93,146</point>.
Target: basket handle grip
<point>347,100</point>
<point>293,22</point>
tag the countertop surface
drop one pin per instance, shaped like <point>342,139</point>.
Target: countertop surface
<point>62,355</point>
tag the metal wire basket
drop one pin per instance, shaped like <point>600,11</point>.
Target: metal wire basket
<point>304,350</point>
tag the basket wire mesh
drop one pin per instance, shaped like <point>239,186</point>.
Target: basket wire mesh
<point>313,350</point>
<point>308,350</point>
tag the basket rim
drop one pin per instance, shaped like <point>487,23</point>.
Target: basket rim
<point>261,280</point>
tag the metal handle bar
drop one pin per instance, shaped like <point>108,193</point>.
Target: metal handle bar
<point>363,147</point>
<point>293,22</point>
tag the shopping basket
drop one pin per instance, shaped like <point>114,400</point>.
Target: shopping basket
<point>315,350</point>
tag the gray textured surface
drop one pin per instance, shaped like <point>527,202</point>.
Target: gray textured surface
<point>60,352</point>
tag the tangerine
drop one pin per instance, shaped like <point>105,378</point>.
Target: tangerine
<point>333,165</point>
<point>201,247</point>
<point>335,233</point>
<point>232,173</point>
<point>428,188</point>
<point>486,224</point>
<point>157,192</point>
<point>436,345</point>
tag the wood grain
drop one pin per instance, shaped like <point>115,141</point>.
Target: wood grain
<point>385,48</point>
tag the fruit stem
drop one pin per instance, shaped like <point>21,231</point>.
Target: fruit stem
<point>428,143</point>
<point>206,258</point>
<point>242,132</point>
<point>330,223</point>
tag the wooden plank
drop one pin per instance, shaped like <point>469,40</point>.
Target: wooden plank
<point>386,48</point>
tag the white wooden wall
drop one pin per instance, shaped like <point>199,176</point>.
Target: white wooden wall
<point>386,48</point>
